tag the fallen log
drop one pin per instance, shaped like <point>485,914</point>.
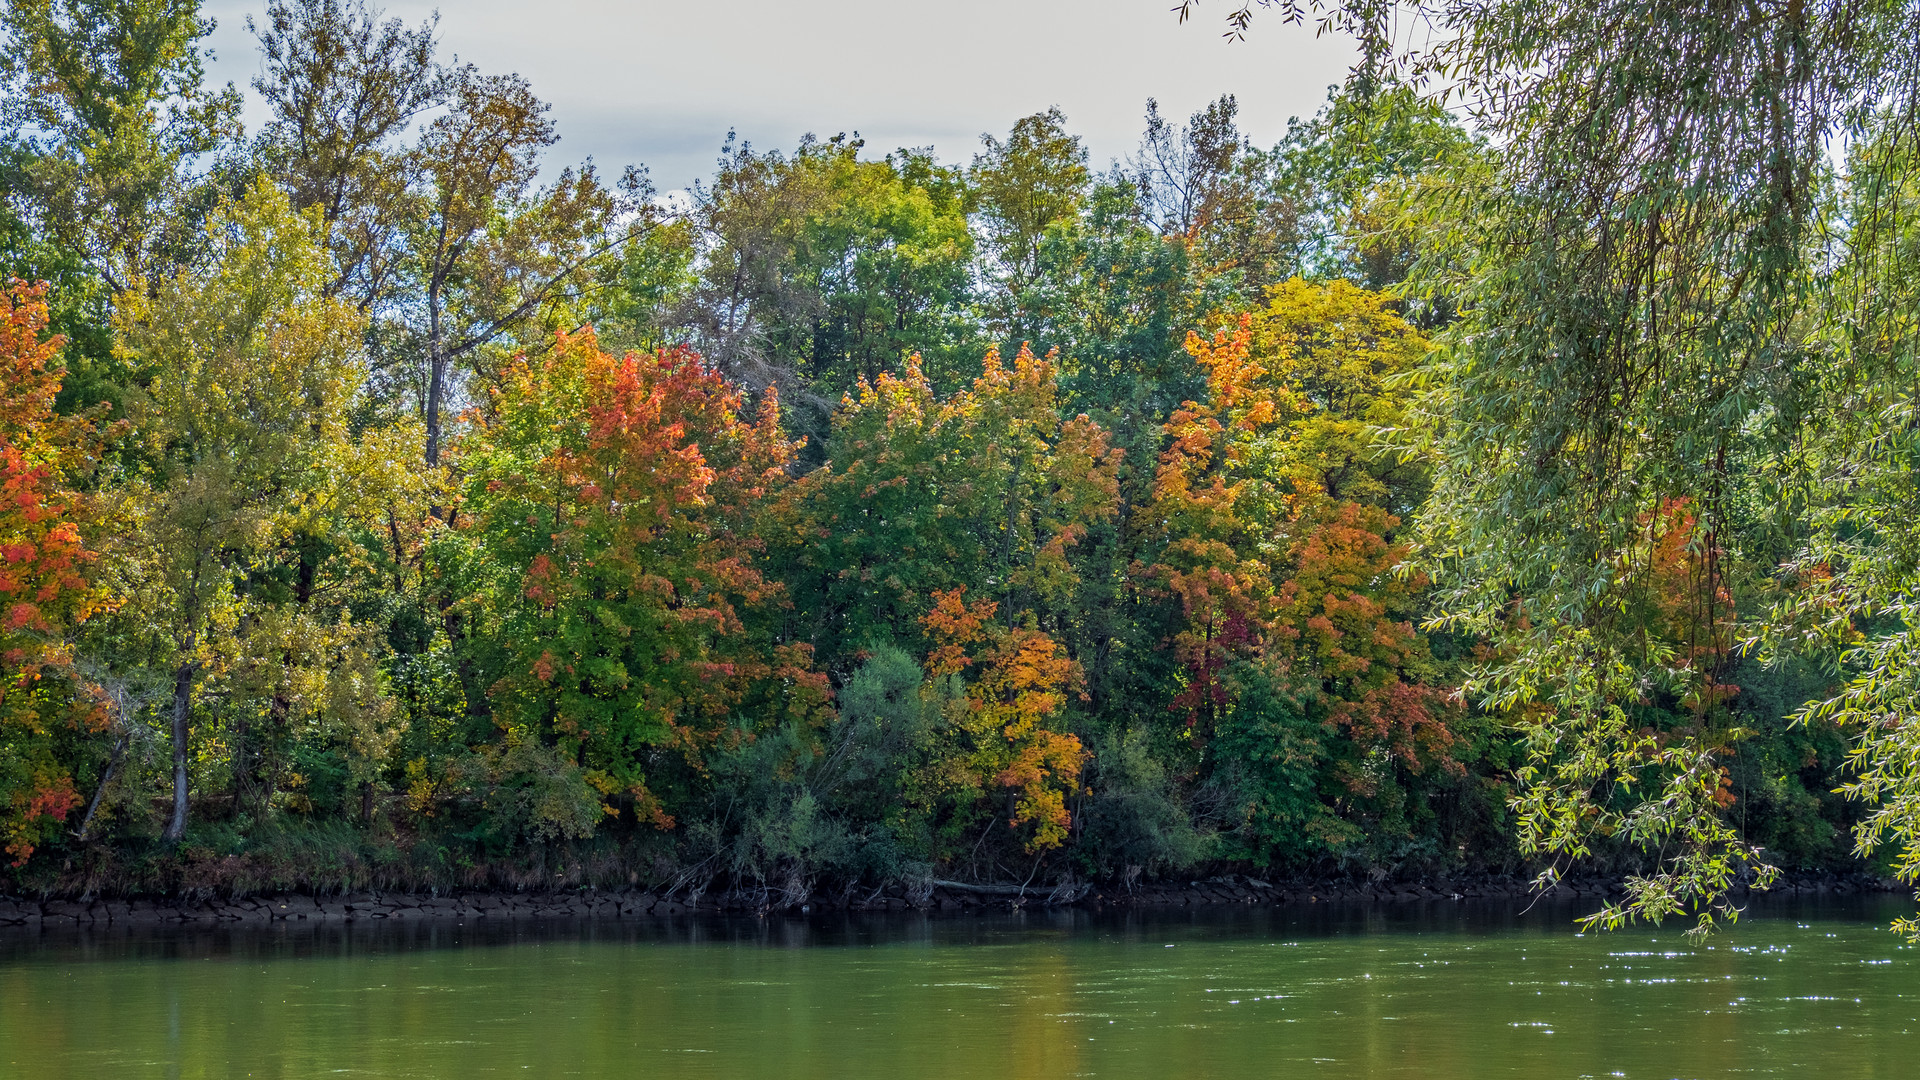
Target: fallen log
<point>991,890</point>
<point>1068,893</point>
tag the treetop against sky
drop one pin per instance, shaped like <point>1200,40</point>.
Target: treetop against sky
<point>661,83</point>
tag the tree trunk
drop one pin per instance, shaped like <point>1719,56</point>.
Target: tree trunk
<point>436,369</point>
<point>242,770</point>
<point>182,706</point>
<point>436,382</point>
<point>100,789</point>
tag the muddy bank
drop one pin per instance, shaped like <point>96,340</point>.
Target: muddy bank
<point>954,897</point>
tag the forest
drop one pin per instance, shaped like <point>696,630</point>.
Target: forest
<point>1510,470</point>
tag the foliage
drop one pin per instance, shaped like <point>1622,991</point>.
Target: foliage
<point>990,489</point>
<point>1020,683</point>
<point>608,541</point>
<point>1659,275</point>
<point>1034,179</point>
<point>105,108</point>
<point>46,586</point>
<point>1295,632</point>
<point>821,269</point>
<point>111,151</point>
<point>229,548</point>
<point>1495,480</point>
<point>343,86</point>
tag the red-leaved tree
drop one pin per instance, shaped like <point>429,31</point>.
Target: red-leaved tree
<point>44,587</point>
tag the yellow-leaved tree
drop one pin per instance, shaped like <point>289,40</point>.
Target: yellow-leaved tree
<point>1304,673</point>
<point>229,549</point>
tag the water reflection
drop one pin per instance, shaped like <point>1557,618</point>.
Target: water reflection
<point>1449,989</point>
<point>304,940</point>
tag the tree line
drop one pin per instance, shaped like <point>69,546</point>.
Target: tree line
<point>1438,490</point>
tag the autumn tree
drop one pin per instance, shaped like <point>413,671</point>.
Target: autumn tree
<point>245,438</point>
<point>990,489</point>
<point>1205,554</point>
<point>1016,681</point>
<point>608,548</point>
<point>46,581</point>
<point>1035,178</point>
<point>1298,637</point>
<point>344,87</point>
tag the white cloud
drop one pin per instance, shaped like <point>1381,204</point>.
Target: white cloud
<point>660,83</point>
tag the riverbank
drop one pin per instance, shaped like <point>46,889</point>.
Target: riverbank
<point>950,897</point>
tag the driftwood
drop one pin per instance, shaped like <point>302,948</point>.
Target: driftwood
<point>1056,894</point>
<point>989,890</point>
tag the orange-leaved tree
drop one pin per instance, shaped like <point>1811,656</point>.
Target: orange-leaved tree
<point>44,585</point>
<point>1686,603</point>
<point>1020,679</point>
<point>1277,540</point>
<point>1327,493</point>
<point>609,519</point>
<point>1208,557</point>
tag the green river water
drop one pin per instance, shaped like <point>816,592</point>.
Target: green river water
<point>1315,991</point>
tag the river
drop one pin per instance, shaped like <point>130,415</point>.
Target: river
<point>1438,991</point>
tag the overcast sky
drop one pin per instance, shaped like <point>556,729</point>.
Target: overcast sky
<point>660,84</point>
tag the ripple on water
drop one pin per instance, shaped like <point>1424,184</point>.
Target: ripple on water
<point>1355,993</point>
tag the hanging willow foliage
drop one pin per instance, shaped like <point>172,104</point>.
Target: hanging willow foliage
<point>1675,419</point>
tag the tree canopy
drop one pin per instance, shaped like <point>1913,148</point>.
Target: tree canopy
<point>1503,471</point>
